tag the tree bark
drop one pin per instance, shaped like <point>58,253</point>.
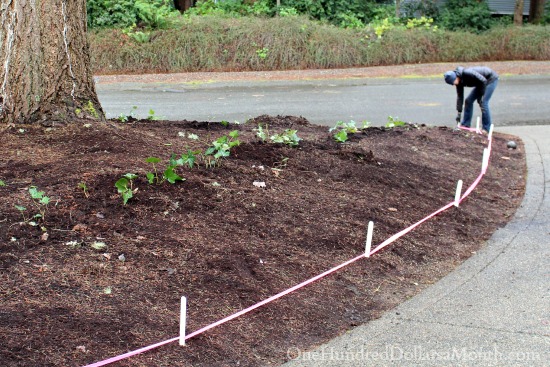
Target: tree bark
<point>518,13</point>
<point>45,73</point>
<point>536,11</point>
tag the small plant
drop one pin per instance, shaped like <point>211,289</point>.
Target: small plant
<point>188,159</point>
<point>221,147</point>
<point>152,116</point>
<point>153,176</point>
<point>125,187</point>
<point>91,109</point>
<point>288,137</point>
<point>394,122</point>
<point>2,183</point>
<point>262,132</point>
<point>262,53</point>
<point>82,186</point>
<point>126,118</point>
<point>40,201</point>
<point>343,129</point>
<point>169,173</point>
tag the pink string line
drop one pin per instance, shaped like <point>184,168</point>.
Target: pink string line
<point>298,286</point>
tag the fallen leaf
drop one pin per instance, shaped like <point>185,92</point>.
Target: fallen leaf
<point>392,209</point>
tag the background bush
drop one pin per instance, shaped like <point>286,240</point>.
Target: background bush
<point>218,43</point>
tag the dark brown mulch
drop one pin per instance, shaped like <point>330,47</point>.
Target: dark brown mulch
<point>224,242</point>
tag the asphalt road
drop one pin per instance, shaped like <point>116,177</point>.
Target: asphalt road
<point>518,100</point>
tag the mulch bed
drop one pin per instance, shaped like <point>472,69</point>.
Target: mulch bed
<point>95,278</point>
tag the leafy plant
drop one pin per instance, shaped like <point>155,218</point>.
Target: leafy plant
<point>82,186</point>
<point>169,173</point>
<point>394,122</point>
<point>153,176</point>
<point>188,159</point>
<point>262,132</point>
<point>221,147</point>
<point>125,118</point>
<point>91,109</point>
<point>343,129</point>
<point>152,116</point>
<point>262,53</point>
<point>40,201</point>
<point>2,183</point>
<point>288,137</point>
<point>125,186</point>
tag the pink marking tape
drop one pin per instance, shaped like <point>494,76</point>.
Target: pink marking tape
<point>298,286</point>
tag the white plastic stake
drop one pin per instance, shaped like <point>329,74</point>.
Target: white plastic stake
<point>369,239</point>
<point>458,192</point>
<point>490,132</point>
<point>485,162</point>
<point>183,319</point>
<point>477,125</point>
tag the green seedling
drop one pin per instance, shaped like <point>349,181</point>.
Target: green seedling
<point>152,116</point>
<point>262,132</point>
<point>153,176</point>
<point>125,118</point>
<point>221,147</point>
<point>40,201</point>
<point>169,173</point>
<point>125,187</point>
<point>2,183</point>
<point>82,186</point>
<point>188,159</point>
<point>394,122</point>
<point>343,129</point>
<point>288,137</point>
<point>341,136</point>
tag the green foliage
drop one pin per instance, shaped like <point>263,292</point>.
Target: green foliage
<point>82,186</point>
<point>232,8</point>
<point>288,137</point>
<point>394,122</point>
<point>149,14</point>
<point>342,130</point>
<point>2,183</point>
<point>470,15</point>
<point>224,44</point>
<point>39,200</point>
<point>125,186</point>
<point>221,147</point>
<point>262,132</point>
<point>169,173</point>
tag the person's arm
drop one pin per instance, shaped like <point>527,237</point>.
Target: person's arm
<point>459,98</point>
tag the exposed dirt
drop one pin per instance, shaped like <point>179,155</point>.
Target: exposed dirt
<point>224,242</point>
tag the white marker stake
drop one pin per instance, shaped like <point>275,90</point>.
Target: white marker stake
<point>369,239</point>
<point>490,132</point>
<point>183,320</point>
<point>485,162</point>
<point>458,192</point>
<point>477,125</point>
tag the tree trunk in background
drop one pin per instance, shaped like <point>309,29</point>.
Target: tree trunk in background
<point>518,13</point>
<point>45,73</point>
<point>536,11</point>
<point>183,5</point>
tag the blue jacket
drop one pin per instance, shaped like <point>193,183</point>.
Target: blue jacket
<point>477,77</point>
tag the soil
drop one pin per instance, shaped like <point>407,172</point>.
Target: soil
<point>94,278</point>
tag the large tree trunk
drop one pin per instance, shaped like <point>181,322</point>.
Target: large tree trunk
<point>45,73</point>
<point>536,11</point>
<point>518,13</point>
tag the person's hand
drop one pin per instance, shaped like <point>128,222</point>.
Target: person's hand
<point>458,116</point>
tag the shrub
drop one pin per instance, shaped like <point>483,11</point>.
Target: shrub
<point>125,13</point>
<point>471,15</point>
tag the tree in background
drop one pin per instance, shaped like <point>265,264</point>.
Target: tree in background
<point>45,74</point>
<point>536,11</point>
<point>518,13</point>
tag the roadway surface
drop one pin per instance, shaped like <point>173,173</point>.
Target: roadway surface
<point>518,100</point>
